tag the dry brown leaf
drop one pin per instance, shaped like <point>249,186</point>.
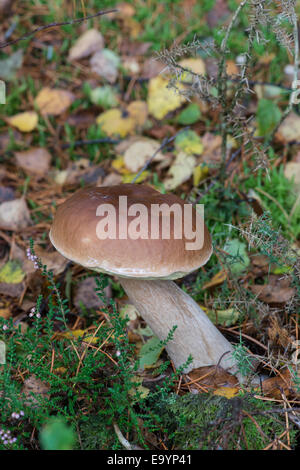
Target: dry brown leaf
<point>212,377</point>
<point>12,290</point>
<point>34,386</point>
<point>289,130</point>
<point>88,43</point>
<point>53,101</point>
<point>276,292</point>
<point>14,215</point>
<point>53,260</point>
<point>275,386</point>
<point>277,334</point>
<point>35,160</point>
<point>86,295</point>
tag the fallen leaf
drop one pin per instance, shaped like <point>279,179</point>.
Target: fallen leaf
<point>14,215</point>
<point>289,130</point>
<point>140,152</point>
<point>292,172</point>
<point>88,43</point>
<point>190,115</point>
<point>149,353</point>
<point>199,174</point>
<point>24,122</point>
<point>275,386</point>
<point>138,110</point>
<point>105,63</point>
<point>34,390</point>
<point>5,313</point>
<point>12,290</point>
<point>104,96</point>
<point>161,99</point>
<point>152,68</point>
<point>196,65</point>
<point>10,65</point>
<point>115,122</point>
<point>227,392</point>
<point>211,148</point>
<point>124,10</point>
<point>223,317</point>
<point>11,273</point>
<point>85,294</point>
<point>273,294</point>
<point>52,259</point>
<point>6,193</point>
<point>123,122</point>
<point>217,279</point>
<point>189,142</point>
<point>180,171</point>
<point>35,160</point>
<point>131,65</point>
<point>80,334</point>
<point>238,259</point>
<point>213,377</point>
<point>53,101</point>
<point>130,176</point>
<point>277,334</point>
<point>218,12</point>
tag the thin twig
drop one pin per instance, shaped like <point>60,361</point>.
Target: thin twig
<point>52,25</point>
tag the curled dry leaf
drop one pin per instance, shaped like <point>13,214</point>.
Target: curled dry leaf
<point>24,122</point>
<point>34,160</point>
<point>140,152</point>
<point>292,172</point>
<point>88,43</point>
<point>14,215</point>
<point>53,101</point>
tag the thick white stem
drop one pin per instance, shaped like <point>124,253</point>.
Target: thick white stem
<point>162,304</point>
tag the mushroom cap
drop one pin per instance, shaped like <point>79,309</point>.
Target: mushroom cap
<point>74,235</point>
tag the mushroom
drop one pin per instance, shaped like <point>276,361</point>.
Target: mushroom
<point>145,265</point>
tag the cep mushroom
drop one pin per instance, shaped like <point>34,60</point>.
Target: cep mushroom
<point>145,266</point>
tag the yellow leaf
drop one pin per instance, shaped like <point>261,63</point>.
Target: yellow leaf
<point>80,334</point>
<point>200,172</point>
<point>128,178</point>
<point>138,110</point>
<point>11,273</point>
<point>24,122</point>
<point>163,100</point>
<point>123,122</point>
<point>53,101</point>
<point>217,279</point>
<point>114,122</point>
<point>195,65</point>
<point>227,392</point>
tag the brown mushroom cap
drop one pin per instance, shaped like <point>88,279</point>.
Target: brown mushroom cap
<point>73,233</point>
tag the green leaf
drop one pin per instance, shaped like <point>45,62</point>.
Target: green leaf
<point>189,115</point>
<point>238,259</point>
<point>268,116</point>
<point>11,273</point>
<point>189,142</point>
<point>104,96</point>
<point>150,352</point>
<point>57,435</point>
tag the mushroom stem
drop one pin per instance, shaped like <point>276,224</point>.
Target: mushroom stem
<point>162,304</point>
